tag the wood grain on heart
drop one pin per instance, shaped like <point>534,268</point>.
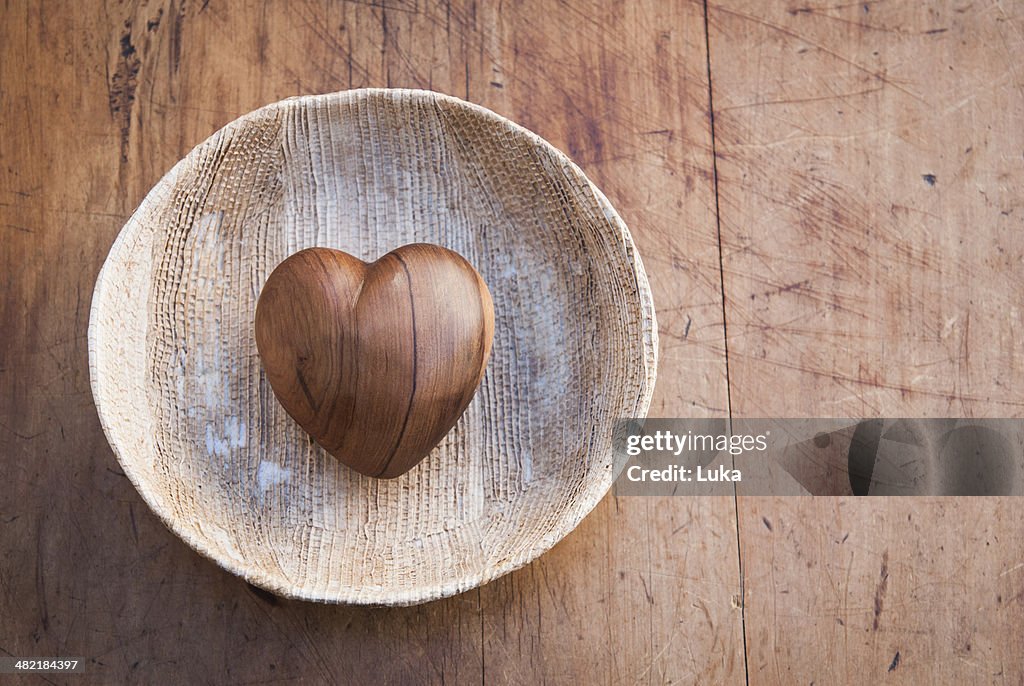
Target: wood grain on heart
<point>376,361</point>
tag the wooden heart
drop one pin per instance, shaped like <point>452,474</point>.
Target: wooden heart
<point>376,361</point>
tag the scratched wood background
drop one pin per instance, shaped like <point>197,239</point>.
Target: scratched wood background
<point>841,237</point>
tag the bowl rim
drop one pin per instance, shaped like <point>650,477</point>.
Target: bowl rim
<point>380,595</point>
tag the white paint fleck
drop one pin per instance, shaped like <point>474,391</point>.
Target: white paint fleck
<point>209,377</point>
<point>215,445</point>
<point>234,435</point>
<point>210,220</point>
<point>506,268</point>
<point>235,432</point>
<point>526,462</point>
<point>271,474</point>
<point>948,328</point>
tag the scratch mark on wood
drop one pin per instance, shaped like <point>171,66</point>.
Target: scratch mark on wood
<point>895,661</point>
<point>121,89</point>
<point>18,434</point>
<point>175,39</point>
<point>1012,569</point>
<point>154,23</point>
<point>879,75</point>
<point>44,615</point>
<point>647,591</point>
<point>883,584</point>
<point>410,6</point>
<point>801,101</point>
<point>131,517</point>
<point>23,229</point>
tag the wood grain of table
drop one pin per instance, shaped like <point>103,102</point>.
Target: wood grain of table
<point>827,199</point>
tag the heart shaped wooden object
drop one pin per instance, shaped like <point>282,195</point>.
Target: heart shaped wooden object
<point>376,361</point>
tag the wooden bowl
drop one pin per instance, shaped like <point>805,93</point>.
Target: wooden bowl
<point>186,406</point>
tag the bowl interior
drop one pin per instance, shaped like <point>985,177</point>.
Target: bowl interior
<point>190,414</point>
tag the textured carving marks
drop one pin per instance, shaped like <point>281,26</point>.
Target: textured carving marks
<point>185,403</point>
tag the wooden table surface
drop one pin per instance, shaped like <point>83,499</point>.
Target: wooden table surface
<point>827,196</point>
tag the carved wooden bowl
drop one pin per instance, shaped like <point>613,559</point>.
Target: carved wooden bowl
<point>186,406</point>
